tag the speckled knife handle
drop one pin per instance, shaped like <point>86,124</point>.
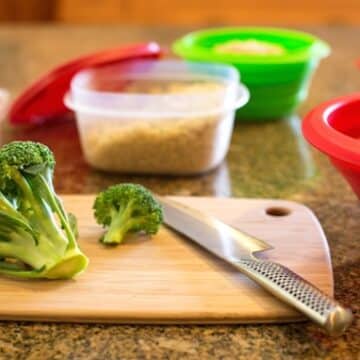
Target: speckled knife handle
<point>299,293</point>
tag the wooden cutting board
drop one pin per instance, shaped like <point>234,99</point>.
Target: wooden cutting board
<point>168,279</point>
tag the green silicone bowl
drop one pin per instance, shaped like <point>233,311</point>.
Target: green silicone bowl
<point>277,83</point>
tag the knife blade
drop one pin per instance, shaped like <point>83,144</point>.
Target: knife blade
<point>239,249</point>
<point>217,237</point>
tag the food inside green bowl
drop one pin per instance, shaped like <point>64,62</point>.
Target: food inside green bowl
<point>249,47</point>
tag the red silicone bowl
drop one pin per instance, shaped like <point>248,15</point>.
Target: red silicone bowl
<point>334,129</point>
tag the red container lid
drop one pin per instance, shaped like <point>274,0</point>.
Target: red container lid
<point>43,100</point>
<point>334,128</point>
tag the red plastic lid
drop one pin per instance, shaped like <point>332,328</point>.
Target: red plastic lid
<point>333,128</point>
<point>43,100</point>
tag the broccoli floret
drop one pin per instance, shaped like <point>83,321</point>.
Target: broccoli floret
<point>127,208</point>
<point>37,238</point>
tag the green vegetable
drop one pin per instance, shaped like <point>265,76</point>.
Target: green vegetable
<point>73,224</point>
<point>127,208</point>
<point>37,238</point>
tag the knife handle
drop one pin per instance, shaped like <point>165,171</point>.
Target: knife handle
<point>297,292</point>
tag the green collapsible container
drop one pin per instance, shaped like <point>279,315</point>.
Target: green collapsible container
<point>277,83</point>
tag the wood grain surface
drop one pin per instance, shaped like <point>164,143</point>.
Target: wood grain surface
<point>183,12</point>
<point>168,279</point>
<point>208,12</point>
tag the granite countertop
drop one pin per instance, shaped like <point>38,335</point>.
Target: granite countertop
<point>267,160</point>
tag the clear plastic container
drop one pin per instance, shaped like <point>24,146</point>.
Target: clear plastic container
<point>158,117</point>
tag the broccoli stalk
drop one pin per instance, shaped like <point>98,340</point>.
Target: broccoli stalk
<point>127,208</point>
<point>37,238</point>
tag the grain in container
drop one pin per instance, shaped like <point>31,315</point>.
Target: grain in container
<point>156,116</point>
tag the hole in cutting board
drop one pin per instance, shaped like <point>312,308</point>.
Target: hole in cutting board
<point>278,211</point>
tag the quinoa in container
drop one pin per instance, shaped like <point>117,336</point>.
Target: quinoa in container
<point>158,117</point>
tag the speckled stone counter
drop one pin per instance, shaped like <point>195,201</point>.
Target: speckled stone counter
<point>267,160</point>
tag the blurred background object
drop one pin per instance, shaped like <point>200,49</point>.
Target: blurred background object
<point>182,12</point>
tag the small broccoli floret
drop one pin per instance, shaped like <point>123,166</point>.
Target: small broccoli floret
<point>127,208</point>
<point>37,237</point>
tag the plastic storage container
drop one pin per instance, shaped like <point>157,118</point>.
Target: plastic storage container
<point>151,116</point>
<point>278,82</point>
<point>43,100</point>
<point>334,128</point>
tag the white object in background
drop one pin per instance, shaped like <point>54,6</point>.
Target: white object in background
<point>4,103</point>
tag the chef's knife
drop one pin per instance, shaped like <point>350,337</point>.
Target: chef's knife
<point>238,249</point>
